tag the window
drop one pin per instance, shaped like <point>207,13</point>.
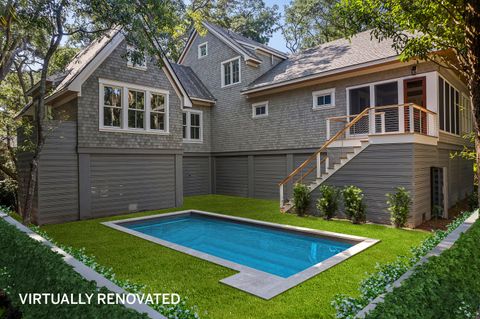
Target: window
<point>133,108</point>
<point>449,107</point>
<point>466,114</point>
<point>112,106</point>
<point>324,99</point>
<point>157,111</point>
<point>136,109</point>
<point>203,50</point>
<point>136,59</point>
<point>260,109</point>
<point>231,72</point>
<point>192,126</point>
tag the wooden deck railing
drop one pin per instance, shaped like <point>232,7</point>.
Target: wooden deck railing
<point>389,119</point>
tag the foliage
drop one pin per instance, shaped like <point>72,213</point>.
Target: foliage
<point>308,23</point>
<point>473,199</point>
<point>178,311</point>
<point>354,207</point>
<point>450,282</point>
<point>399,206</point>
<point>61,58</point>
<point>250,18</point>
<point>301,198</point>
<point>33,267</point>
<point>385,275</point>
<point>327,203</point>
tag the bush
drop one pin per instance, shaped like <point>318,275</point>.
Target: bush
<point>379,281</point>
<point>354,207</point>
<point>399,206</point>
<point>301,198</point>
<point>327,204</point>
<point>473,199</point>
<point>7,193</point>
<point>29,266</point>
<point>449,285</point>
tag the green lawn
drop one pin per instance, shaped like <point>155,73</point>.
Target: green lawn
<point>165,270</point>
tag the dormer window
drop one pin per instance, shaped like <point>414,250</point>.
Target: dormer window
<point>203,50</point>
<point>231,72</point>
<point>136,59</point>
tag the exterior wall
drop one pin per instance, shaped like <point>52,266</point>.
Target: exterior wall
<point>197,175</point>
<point>231,175</point>
<point>377,170</point>
<point>122,184</point>
<point>268,171</point>
<point>58,175</point>
<point>115,68</point>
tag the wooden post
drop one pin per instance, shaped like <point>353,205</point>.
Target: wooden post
<point>319,166</point>
<point>281,195</point>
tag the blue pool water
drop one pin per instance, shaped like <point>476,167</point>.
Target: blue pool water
<point>274,251</point>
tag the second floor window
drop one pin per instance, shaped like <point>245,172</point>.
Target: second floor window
<point>203,50</point>
<point>134,108</point>
<point>260,109</point>
<point>231,72</point>
<point>324,99</point>
<point>192,126</point>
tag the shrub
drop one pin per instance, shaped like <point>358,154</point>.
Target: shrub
<point>379,281</point>
<point>354,207</point>
<point>327,204</point>
<point>473,199</point>
<point>29,266</point>
<point>301,198</point>
<point>399,206</point>
<point>449,285</point>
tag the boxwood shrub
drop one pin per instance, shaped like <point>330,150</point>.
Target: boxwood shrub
<point>27,266</point>
<point>447,286</point>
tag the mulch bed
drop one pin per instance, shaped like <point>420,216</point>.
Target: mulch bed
<point>442,223</point>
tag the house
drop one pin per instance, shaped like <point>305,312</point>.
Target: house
<point>237,117</point>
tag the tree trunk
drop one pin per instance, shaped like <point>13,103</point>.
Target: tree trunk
<point>30,192</point>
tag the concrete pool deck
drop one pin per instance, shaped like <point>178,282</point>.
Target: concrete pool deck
<point>253,281</point>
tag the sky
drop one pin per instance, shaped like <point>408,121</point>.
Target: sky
<point>277,41</point>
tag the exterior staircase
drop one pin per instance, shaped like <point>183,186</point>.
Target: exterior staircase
<point>332,165</point>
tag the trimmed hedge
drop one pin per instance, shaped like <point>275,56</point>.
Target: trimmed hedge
<point>28,266</point>
<point>447,286</point>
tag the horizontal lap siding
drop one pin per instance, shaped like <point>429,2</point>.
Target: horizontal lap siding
<point>196,177</point>
<point>123,183</point>
<point>58,175</point>
<point>231,175</point>
<point>268,172</point>
<point>377,170</point>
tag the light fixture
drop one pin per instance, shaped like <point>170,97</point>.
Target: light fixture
<point>413,71</point>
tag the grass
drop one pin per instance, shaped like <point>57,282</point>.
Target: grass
<point>165,270</point>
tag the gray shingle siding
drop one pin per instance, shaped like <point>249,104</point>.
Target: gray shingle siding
<point>115,68</point>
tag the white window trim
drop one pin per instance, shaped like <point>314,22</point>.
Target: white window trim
<point>222,72</point>
<point>130,62</point>
<point>317,94</point>
<point>188,139</point>
<point>124,116</point>
<point>200,56</point>
<point>254,107</point>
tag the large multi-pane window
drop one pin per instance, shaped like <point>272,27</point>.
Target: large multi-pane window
<point>449,107</point>
<point>112,106</point>
<point>231,72</point>
<point>192,126</point>
<point>132,107</point>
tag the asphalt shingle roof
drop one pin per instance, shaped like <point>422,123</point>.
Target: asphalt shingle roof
<point>191,82</point>
<point>327,57</point>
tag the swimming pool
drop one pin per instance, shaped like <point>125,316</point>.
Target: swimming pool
<point>271,257</point>
<point>274,251</point>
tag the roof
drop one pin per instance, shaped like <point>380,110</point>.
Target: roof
<point>326,58</point>
<point>244,42</point>
<point>192,83</point>
<point>82,58</point>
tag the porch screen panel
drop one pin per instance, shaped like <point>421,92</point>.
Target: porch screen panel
<point>441,102</point>
<point>359,100</point>
<point>387,94</point>
<point>447,107</point>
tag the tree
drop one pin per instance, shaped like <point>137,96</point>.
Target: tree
<point>309,23</point>
<point>250,18</point>
<point>150,25</point>
<point>446,32</point>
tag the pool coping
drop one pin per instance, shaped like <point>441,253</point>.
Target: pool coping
<point>253,281</point>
